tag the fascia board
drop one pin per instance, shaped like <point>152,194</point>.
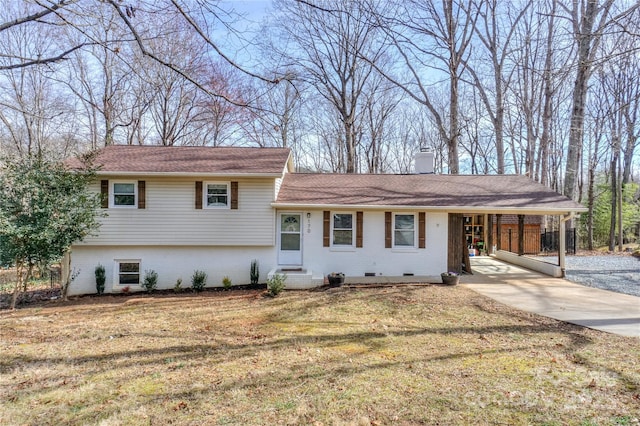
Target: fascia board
<point>195,174</point>
<point>448,209</point>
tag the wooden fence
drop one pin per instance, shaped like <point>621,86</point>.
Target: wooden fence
<point>536,241</point>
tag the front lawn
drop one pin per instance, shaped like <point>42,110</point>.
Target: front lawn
<point>400,355</point>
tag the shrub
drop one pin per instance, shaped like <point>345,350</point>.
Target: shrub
<point>226,282</point>
<point>255,271</point>
<point>126,289</point>
<point>178,287</point>
<point>150,280</point>
<point>275,284</point>
<point>198,281</point>
<point>100,278</point>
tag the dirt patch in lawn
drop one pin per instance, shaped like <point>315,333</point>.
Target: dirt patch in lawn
<point>410,355</point>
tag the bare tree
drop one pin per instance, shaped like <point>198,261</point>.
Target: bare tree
<point>549,89</point>
<point>381,99</point>
<point>598,112</point>
<point>201,18</point>
<point>32,112</point>
<point>590,19</point>
<point>495,29</point>
<point>276,123</point>
<point>431,38</point>
<point>327,48</point>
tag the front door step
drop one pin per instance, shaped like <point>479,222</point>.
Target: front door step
<point>298,278</point>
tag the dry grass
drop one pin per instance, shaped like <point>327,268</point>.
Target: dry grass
<point>412,355</point>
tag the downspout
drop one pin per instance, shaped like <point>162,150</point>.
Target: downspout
<point>563,243</point>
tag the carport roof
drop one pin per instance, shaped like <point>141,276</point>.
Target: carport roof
<point>453,193</point>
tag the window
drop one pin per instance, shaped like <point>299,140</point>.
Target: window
<point>342,233</point>
<point>217,195</point>
<point>128,272</point>
<point>124,194</point>
<point>290,232</point>
<point>404,230</point>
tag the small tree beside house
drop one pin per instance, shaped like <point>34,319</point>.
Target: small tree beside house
<point>44,208</point>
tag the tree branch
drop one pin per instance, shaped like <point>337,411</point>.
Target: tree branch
<point>50,60</point>
<point>47,10</point>
<point>206,38</point>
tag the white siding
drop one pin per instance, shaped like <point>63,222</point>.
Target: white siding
<point>170,217</point>
<point>171,263</point>
<point>278,184</point>
<point>373,256</point>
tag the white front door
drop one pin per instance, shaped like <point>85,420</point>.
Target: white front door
<point>290,239</point>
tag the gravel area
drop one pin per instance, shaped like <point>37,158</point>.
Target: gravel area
<point>615,273</point>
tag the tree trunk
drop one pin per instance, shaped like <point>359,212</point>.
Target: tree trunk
<point>620,187</point>
<point>499,126</point>
<point>628,154</point>
<point>585,37</point>
<point>590,204</point>
<point>19,282</point>
<point>452,143</point>
<point>547,110</point>
<point>614,204</point>
<point>65,274</point>
<point>349,146</point>
<point>576,133</point>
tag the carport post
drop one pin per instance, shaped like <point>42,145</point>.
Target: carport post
<point>499,231</point>
<point>563,241</point>
<point>489,227</point>
<point>520,235</point>
<point>562,246</point>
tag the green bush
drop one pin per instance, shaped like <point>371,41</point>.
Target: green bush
<point>100,278</point>
<point>275,284</point>
<point>226,283</point>
<point>178,287</point>
<point>150,280</point>
<point>255,271</point>
<point>198,281</point>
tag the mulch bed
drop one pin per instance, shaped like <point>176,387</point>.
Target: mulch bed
<point>52,295</point>
<point>30,297</point>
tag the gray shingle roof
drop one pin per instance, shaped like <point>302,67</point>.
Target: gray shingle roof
<point>452,192</point>
<point>137,159</point>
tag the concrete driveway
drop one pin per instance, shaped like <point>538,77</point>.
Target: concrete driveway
<point>555,297</point>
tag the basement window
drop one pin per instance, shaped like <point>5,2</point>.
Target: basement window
<point>127,272</point>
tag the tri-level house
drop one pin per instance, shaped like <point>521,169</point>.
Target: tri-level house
<point>176,210</point>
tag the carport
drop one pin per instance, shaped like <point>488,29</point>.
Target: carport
<point>520,201</point>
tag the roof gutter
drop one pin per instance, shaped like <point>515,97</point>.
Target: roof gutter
<point>448,209</point>
<point>191,174</point>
